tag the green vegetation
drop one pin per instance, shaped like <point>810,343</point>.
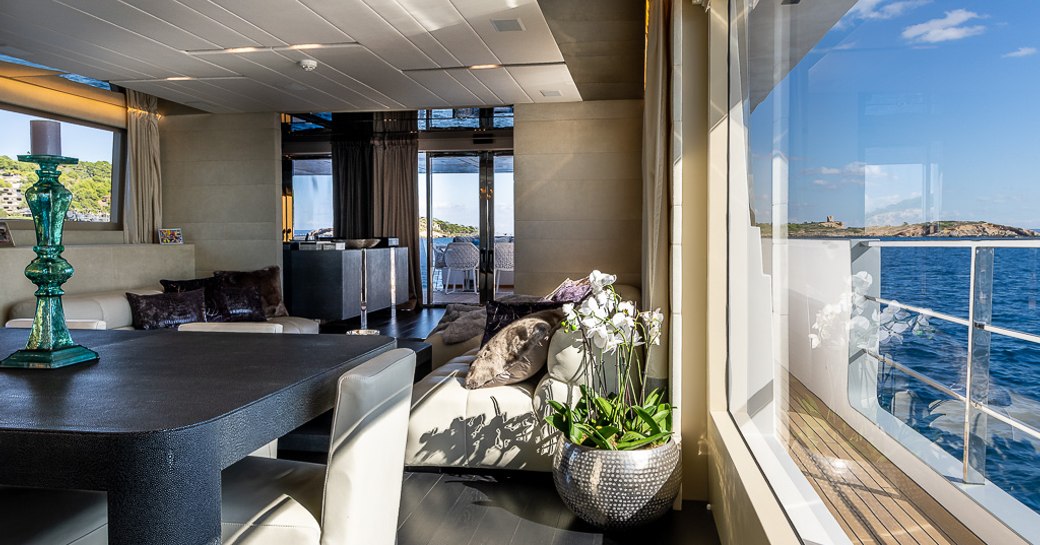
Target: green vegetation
<point>89,182</point>
<point>443,228</point>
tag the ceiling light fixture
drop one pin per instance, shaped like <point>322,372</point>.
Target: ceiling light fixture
<point>484,66</point>
<point>266,48</point>
<point>179,78</point>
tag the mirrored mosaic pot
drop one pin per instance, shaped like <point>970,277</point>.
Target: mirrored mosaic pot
<point>617,489</point>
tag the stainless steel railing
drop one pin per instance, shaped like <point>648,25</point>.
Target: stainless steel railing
<point>980,308</point>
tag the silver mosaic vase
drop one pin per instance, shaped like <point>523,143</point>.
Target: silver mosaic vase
<point>617,488</point>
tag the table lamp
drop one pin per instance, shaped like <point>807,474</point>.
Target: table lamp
<point>50,344</point>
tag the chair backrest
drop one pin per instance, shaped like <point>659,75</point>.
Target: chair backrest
<point>504,256</point>
<point>366,451</point>
<point>461,255</point>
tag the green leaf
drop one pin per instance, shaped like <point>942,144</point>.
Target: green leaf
<point>647,419</point>
<point>639,443</point>
<point>605,408</point>
<point>556,405</point>
<point>652,399</point>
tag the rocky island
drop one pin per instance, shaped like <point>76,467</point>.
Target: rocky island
<point>940,229</point>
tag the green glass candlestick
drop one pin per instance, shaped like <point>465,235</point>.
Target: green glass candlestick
<point>50,343</point>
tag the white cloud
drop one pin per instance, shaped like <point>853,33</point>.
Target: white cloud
<point>944,29</point>
<point>823,183</point>
<point>1020,52</point>
<point>878,9</point>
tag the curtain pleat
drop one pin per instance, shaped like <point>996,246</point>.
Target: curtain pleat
<point>395,187</point>
<point>657,175</point>
<point>352,175</point>
<point>142,216</point>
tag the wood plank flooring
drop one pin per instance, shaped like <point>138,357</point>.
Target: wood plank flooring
<point>514,508</point>
<point>871,498</point>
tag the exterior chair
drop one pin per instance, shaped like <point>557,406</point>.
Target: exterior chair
<point>353,500</point>
<point>461,256</point>
<point>438,267</point>
<point>503,260</point>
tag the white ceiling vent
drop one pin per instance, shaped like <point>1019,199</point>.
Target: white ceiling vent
<point>550,93</point>
<point>508,25</point>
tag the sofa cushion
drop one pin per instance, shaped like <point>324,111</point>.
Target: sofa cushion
<point>570,291</point>
<point>268,280</point>
<point>231,327</point>
<point>295,324</point>
<point>167,310</point>
<point>110,307</point>
<point>516,353</point>
<point>211,285</point>
<point>240,304</point>
<point>500,314</point>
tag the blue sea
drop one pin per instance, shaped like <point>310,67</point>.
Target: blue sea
<point>938,278</point>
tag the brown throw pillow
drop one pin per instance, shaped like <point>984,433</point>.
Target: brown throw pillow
<point>268,280</point>
<point>165,310</point>
<point>516,353</point>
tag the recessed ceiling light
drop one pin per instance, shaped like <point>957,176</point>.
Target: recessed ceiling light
<point>484,66</point>
<point>257,49</point>
<point>508,25</point>
<point>179,78</point>
<point>306,46</point>
<point>241,49</point>
<point>550,93</point>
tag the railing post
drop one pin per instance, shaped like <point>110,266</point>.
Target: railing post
<point>976,375</point>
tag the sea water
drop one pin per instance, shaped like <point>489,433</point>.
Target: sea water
<point>938,279</point>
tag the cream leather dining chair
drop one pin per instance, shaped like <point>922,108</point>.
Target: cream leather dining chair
<point>352,500</point>
<point>355,498</point>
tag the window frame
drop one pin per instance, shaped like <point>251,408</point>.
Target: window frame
<point>119,158</point>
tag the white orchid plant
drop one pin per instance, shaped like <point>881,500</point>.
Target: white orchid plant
<point>615,410</point>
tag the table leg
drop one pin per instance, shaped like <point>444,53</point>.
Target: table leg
<point>167,507</point>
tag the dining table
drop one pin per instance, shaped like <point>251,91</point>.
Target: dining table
<point>154,421</point>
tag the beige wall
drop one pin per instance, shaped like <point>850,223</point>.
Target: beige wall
<point>578,191</point>
<point>99,267</point>
<point>222,182</point>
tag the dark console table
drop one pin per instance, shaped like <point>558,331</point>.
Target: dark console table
<point>161,415</point>
<point>326,284</point>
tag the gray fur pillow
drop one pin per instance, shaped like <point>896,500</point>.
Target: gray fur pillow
<point>516,353</point>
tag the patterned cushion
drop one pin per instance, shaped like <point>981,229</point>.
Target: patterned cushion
<point>570,291</point>
<point>516,353</point>
<point>166,310</point>
<point>211,285</point>
<point>268,280</point>
<point>501,314</point>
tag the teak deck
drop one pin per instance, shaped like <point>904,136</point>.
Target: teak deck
<point>871,498</point>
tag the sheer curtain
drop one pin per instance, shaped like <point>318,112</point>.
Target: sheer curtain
<point>142,217</point>
<point>395,186</point>
<point>657,174</point>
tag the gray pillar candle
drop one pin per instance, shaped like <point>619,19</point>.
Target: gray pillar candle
<point>46,137</point>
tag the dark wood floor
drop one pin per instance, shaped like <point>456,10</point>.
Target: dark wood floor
<point>509,508</point>
<point>408,325</point>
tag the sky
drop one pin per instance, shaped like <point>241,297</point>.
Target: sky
<point>908,111</point>
<point>83,143</point>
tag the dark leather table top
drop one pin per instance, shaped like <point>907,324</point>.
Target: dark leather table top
<point>155,421</point>
<point>149,381</point>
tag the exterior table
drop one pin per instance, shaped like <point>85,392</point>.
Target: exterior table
<point>162,413</point>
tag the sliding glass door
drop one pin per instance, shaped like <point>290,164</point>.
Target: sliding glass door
<point>463,196</point>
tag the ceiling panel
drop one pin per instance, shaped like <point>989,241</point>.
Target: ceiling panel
<point>503,84</point>
<point>384,29</point>
<point>121,16</point>
<point>534,44</point>
<point>292,24</point>
<point>535,79</point>
<point>409,53</point>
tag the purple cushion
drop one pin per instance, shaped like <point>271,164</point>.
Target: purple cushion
<point>211,285</point>
<point>268,280</point>
<point>165,310</point>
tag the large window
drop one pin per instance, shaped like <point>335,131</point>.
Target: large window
<point>94,182</point>
<point>884,264</point>
<point>312,198</point>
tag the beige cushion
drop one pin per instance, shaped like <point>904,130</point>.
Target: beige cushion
<point>26,323</point>
<point>295,324</point>
<point>110,307</point>
<point>443,352</point>
<point>516,353</point>
<point>232,327</point>
<point>266,500</point>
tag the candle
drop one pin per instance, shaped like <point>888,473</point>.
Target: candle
<point>46,137</point>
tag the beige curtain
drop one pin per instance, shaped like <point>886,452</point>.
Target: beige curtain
<point>395,187</point>
<point>657,174</point>
<point>142,215</point>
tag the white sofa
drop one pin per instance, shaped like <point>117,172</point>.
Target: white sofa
<point>499,427</point>
<point>112,308</point>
